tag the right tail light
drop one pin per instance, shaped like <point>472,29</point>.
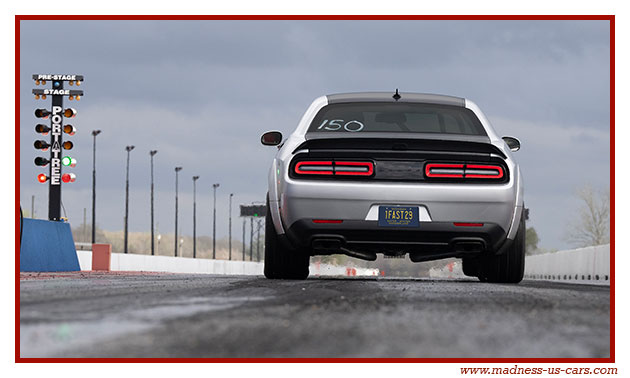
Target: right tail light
<point>465,171</point>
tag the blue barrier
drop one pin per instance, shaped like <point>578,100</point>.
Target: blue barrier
<point>47,246</point>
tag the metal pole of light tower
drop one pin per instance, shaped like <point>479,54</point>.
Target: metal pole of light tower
<point>177,169</point>
<point>195,178</point>
<point>151,153</point>
<point>128,149</point>
<point>244,226</point>
<point>251,237</point>
<point>214,221</point>
<point>94,134</point>
<point>230,229</point>
<point>258,226</point>
<point>33,206</point>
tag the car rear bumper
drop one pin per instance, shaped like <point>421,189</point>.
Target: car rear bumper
<point>429,238</point>
<point>352,201</point>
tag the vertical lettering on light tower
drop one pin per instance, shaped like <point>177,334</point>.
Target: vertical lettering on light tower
<point>57,115</point>
<point>54,188</point>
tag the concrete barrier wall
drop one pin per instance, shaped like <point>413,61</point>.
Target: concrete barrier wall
<point>590,265</point>
<point>148,263</point>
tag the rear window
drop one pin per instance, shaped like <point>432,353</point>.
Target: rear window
<point>369,117</point>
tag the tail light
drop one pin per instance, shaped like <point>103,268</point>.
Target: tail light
<point>337,168</point>
<point>444,170</point>
<point>466,171</point>
<point>354,168</point>
<point>484,171</point>
<point>314,168</point>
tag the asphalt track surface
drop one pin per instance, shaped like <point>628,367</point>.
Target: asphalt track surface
<point>178,315</point>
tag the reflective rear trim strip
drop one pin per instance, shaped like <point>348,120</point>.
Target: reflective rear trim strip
<point>463,224</point>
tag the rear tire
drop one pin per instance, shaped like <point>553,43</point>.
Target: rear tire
<point>470,266</point>
<point>282,262</point>
<point>508,267</point>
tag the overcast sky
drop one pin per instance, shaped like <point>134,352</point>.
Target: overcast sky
<point>202,92</point>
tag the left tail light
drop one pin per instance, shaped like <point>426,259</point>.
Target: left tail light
<point>336,168</point>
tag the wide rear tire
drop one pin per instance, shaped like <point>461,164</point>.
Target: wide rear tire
<point>508,267</point>
<point>282,262</point>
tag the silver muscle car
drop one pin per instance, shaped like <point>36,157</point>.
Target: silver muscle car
<point>395,173</point>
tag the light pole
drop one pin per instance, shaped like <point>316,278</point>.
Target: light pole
<point>177,169</point>
<point>230,229</point>
<point>159,237</point>
<point>151,153</point>
<point>244,224</point>
<point>128,149</point>
<point>94,134</point>
<point>251,237</point>
<point>214,222</point>
<point>195,178</point>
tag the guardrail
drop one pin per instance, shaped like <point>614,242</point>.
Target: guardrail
<point>170,264</point>
<point>590,265</point>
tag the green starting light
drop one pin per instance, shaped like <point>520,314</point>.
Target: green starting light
<point>68,161</point>
<point>255,214</point>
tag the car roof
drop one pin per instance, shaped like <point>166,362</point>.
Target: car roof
<point>426,98</point>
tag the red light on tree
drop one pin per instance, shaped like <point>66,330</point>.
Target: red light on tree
<point>42,178</point>
<point>68,177</point>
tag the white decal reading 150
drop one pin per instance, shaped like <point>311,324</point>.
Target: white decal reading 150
<point>336,124</point>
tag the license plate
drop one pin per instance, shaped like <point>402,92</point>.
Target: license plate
<point>398,216</point>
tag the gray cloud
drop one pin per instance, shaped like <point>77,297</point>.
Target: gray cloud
<point>201,92</point>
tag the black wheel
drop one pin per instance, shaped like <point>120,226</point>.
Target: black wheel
<point>282,262</point>
<point>509,266</point>
<point>470,266</point>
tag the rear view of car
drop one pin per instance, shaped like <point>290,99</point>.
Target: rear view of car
<point>395,173</point>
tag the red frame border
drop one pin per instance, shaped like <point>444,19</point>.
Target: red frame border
<point>610,18</point>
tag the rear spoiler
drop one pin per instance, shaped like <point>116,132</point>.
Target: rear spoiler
<point>400,142</point>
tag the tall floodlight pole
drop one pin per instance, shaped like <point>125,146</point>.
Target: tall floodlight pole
<point>251,238</point>
<point>128,149</point>
<point>33,206</point>
<point>177,169</point>
<point>214,221</point>
<point>151,153</point>
<point>258,226</point>
<point>94,134</point>
<point>195,178</point>
<point>244,225</point>
<point>230,229</point>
